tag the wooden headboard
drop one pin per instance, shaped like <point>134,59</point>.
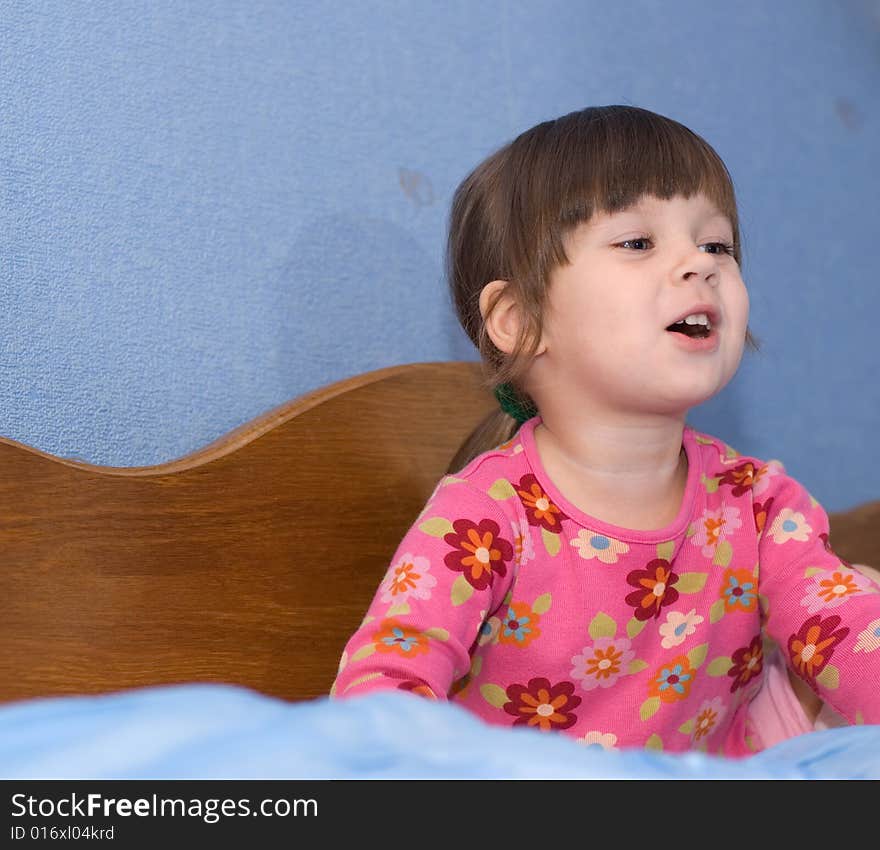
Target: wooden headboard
<point>250,561</point>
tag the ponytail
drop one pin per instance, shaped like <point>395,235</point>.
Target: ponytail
<point>497,428</point>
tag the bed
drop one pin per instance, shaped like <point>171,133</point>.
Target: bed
<point>151,612</point>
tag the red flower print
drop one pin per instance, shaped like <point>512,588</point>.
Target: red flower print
<point>748,662</point>
<point>417,687</point>
<point>655,589</point>
<point>479,554</point>
<point>742,478</point>
<point>542,705</point>
<point>539,509</point>
<point>813,645</point>
<point>762,511</point>
<point>826,542</point>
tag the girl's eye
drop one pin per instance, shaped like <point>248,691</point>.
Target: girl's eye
<point>720,248</point>
<point>638,244</point>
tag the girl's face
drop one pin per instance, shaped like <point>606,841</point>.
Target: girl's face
<point>606,340</point>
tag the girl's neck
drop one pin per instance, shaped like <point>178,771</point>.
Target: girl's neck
<point>634,477</point>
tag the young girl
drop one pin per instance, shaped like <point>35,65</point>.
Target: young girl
<point>607,571</point>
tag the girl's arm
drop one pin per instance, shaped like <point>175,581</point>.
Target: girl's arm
<point>822,612</point>
<point>450,572</point>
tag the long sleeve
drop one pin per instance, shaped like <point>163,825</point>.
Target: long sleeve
<point>823,614</point>
<point>451,570</point>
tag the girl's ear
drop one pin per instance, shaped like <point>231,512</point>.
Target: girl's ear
<point>501,316</point>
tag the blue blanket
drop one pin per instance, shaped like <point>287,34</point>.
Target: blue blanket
<point>219,731</point>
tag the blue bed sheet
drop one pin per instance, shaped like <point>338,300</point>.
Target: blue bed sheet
<point>221,731</point>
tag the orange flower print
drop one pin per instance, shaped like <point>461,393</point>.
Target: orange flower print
<point>742,478</point>
<point>673,681</point>
<point>539,509</point>
<point>408,577</point>
<point>394,637</point>
<point>708,717</point>
<point>748,662</point>
<point>762,511</point>
<point>523,547</point>
<point>542,705</point>
<point>746,476</point>
<point>478,552</point>
<point>655,589</point>
<point>602,663</point>
<point>813,645</point>
<point>833,588</point>
<point>739,590</point>
<point>715,526</point>
<point>519,625</point>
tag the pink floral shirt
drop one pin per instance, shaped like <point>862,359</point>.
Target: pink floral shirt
<point>507,599</point>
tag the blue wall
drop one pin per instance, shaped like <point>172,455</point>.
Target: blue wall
<point>208,208</point>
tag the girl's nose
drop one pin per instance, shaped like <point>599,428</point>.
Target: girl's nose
<point>698,265</point>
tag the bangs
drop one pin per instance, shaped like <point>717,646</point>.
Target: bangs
<point>604,159</point>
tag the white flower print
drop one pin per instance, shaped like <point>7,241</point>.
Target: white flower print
<point>592,545</point>
<point>605,740</point>
<point>790,525</point>
<point>869,639</point>
<point>678,626</point>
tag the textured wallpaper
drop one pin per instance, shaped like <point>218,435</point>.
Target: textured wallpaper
<point>209,208</point>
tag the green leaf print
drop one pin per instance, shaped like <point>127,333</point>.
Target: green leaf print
<point>502,489</point>
<point>437,527</point>
<point>398,609</point>
<point>436,633</point>
<point>494,695</point>
<point>542,604</point>
<point>690,582</point>
<point>361,679</point>
<point>602,626</point>
<point>698,655</point>
<point>636,666</point>
<point>461,591</point>
<point>711,484</point>
<point>719,666</point>
<point>687,727</point>
<point>551,542</point>
<point>723,554</point>
<point>634,626</point>
<point>716,612</point>
<point>665,550</point>
<point>649,708</point>
<point>363,652</point>
<point>829,677</point>
<point>811,571</point>
<point>655,742</point>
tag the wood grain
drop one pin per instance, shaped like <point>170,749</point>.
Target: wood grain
<point>250,561</point>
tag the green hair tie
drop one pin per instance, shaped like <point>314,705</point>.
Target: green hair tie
<point>513,405</point>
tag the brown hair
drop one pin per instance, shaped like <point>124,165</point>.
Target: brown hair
<point>510,215</point>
